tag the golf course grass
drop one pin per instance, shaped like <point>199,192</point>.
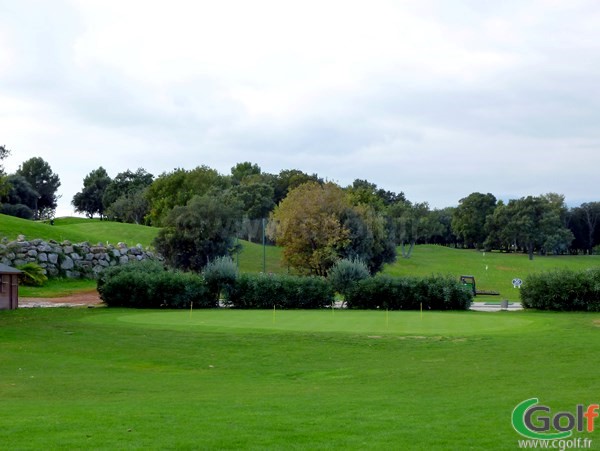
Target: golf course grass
<point>109,378</point>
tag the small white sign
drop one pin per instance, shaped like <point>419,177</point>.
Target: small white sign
<point>517,283</point>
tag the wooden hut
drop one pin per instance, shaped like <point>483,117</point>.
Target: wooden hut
<point>9,287</point>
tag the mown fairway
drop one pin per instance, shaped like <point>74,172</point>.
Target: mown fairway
<point>223,379</point>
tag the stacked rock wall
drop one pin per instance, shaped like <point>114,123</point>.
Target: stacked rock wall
<point>67,259</point>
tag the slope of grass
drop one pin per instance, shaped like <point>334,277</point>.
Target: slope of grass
<point>492,270</point>
<point>78,230</point>
<point>130,379</point>
<point>251,258</point>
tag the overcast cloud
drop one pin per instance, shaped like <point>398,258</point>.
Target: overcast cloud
<point>437,99</point>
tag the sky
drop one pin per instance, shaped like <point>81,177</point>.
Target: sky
<point>433,98</point>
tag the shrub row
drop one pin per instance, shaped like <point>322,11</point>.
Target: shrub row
<point>408,293</point>
<point>148,285</point>
<point>284,291</point>
<point>562,290</point>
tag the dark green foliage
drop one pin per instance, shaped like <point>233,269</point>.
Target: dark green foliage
<point>408,293</point>
<point>220,276</point>
<point>40,176</point>
<point>20,191</point>
<point>199,232</point>
<point>89,199</point>
<point>263,291</point>
<point>32,275</point>
<point>563,290</point>
<point>468,219</point>
<point>17,210</point>
<point>131,208</point>
<point>346,273</point>
<point>148,285</point>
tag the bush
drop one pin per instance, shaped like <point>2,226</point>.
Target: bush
<point>283,291</point>
<point>562,290</point>
<point>220,276</point>
<point>32,275</point>
<point>148,285</point>
<point>346,273</point>
<point>408,293</point>
<point>17,210</point>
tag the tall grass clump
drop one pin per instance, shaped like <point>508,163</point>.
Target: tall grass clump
<point>32,275</point>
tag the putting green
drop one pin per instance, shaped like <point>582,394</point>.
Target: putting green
<point>349,321</point>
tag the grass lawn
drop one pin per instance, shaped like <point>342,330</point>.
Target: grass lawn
<point>78,230</point>
<point>251,258</point>
<point>56,288</point>
<point>226,379</point>
<point>492,270</point>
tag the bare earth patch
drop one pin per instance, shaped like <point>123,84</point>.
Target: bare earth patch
<point>84,299</point>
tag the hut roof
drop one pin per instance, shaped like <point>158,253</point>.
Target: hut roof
<point>5,269</point>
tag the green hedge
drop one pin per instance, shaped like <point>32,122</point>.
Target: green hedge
<point>262,291</point>
<point>408,293</point>
<point>562,290</point>
<point>149,285</point>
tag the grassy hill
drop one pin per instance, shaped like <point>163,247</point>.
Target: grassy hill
<point>492,270</point>
<point>78,230</point>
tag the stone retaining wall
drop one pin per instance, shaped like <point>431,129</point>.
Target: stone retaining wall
<point>67,259</point>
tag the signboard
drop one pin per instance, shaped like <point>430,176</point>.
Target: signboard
<point>517,283</point>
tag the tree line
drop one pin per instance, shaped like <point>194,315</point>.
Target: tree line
<point>31,192</point>
<point>201,213</point>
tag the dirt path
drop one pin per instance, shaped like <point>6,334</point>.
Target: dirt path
<point>84,299</point>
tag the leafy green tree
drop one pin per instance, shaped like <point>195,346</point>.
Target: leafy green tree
<point>532,223</point>
<point>257,203</point>
<point>131,208</point>
<point>177,188</point>
<point>4,153</point>
<point>125,184</point>
<point>585,225</point>
<point>442,232</point>
<point>243,171</point>
<point>367,193</point>
<point>317,225</point>
<point>89,199</point>
<point>371,237</point>
<point>40,176</point>
<point>20,198</point>
<point>413,222</point>
<point>195,234</point>
<point>256,198</point>
<point>20,192</point>
<point>307,223</point>
<point>468,221</point>
<point>288,179</point>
